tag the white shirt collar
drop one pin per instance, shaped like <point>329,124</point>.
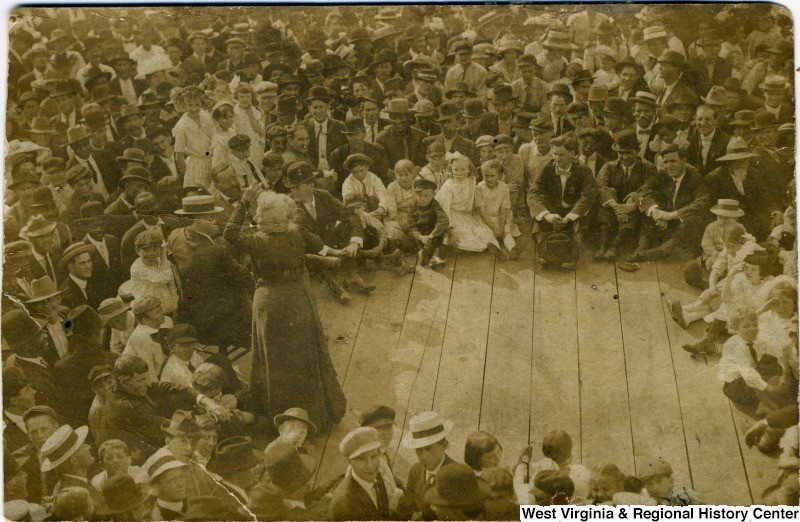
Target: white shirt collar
<point>433,473</point>
<point>80,282</point>
<point>95,242</point>
<point>16,419</point>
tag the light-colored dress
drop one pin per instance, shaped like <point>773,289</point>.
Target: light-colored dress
<point>467,229</point>
<point>159,281</point>
<point>220,152</point>
<point>494,201</point>
<point>193,138</point>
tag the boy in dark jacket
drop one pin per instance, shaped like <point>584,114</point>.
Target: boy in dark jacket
<point>428,223</point>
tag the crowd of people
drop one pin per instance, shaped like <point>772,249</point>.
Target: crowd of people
<point>175,176</point>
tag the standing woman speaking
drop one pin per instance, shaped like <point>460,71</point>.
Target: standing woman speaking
<point>291,363</point>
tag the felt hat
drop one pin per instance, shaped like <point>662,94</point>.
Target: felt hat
<point>159,462</point>
<point>541,124</point>
<point>398,106</point>
<point>774,82</point>
<point>502,93</point>
<point>296,414</point>
<point>473,107</point>
<point>74,250</point>
<point>717,95</point>
<point>353,159</point>
<point>456,485</point>
<point>377,416</point>
<point>319,93</point>
<point>84,320</point>
<point>127,112</point>
<point>743,118</point>
<point>181,423</point>
<point>629,62</point>
<point>523,119</point>
<point>651,467</point>
<point>313,68</point>
<point>447,111</point>
<point>42,289</point>
<point>299,172</point>
<point>287,468</point>
<point>424,108</point>
<point>654,32</point>
<point>426,428</point>
<point>131,155</point>
<point>667,122</point>
<point>121,493</point>
<point>77,172</point>
<point>197,206</point>
<point>459,87</point>
<point>559,40</point>
<point>332,63</point>
<point>112,307</point>
<point>727,208</point>
<point>646,98</point>
<point>37,226</point>
<point>684,97</point>
<point>144,304</point>
<point>425,184</point>
<point>561,89</point>
<point>19,327</point>
<point>582,76</point>
<point>598,93</point>
<point>734,86</point>
<point>626,140</point>
<point>136,174</point>
<point>234,454</point>
<point>353,124</point>
<point>181,333</point>
<point>674,57</point>
<point>509,43</point>
<point>77,134</point>
<point>764,120</point>
<point>527,61</point>
<point>287,105</point>
<point>359,441</point>
<point>25,176</point>
<point>150,100</point>
<point>61,445</point>
<point>737,149</point>
<point>380,33</point>
<point>382,56</point>
<point>14,382</point>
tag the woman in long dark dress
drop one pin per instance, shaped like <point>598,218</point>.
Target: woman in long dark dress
<point>291,363</point>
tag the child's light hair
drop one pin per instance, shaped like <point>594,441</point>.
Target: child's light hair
<point>739,316</point>
<point>274,208</point>
<point>457,156</point>
<point>492,165</point>
<point>405,165</point>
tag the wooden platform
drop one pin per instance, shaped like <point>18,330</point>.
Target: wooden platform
<point>518,351</point>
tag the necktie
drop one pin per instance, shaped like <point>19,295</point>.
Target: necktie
<point>430,478</point>
<point>50,269</point>
<point>320,145</point>
<point>382,496</point>
<point>311,210</point>
<point>753,354</point>
<point>191,367</point>
<point>405,148</point>
<point>674,192</point>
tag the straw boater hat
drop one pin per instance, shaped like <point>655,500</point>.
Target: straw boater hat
<point>61,445</point>
<point>647,98</point>
<point>42,289</point>
<point>737,150</point>
<point>159,462</point>
<point>197,206</point>
<point>774,83</point>
<point>727,208</point>
<point>654,33</point>
<point>359,441</point>
<point>73,251</point>
<point>426,428</point>
<point>559,40</point>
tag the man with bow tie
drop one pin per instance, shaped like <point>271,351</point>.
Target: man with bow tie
<point>563,195</point>
<point>644,113</point>
<point>674,215</point>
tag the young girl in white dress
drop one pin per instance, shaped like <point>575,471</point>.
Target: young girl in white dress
<point>224,130</point>
<point>193,133</point>
<point>457,198</point>
<point>152,273</point>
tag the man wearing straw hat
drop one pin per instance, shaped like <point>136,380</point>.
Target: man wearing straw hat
<point>427,436</point>
<point>68,455</point>
<point>739,178</point>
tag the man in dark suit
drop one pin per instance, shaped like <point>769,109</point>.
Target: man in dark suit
<point>27,341</point>
<point>40,233</point>
<point>356,144</point>
<point>671,66</point>
<point>135,181</point>
<point>235,461</point>
<point>18,397</point>
<point>325,134</point>
<point>644,114</point>
<point>707,142</point>
<point>373,123</point>
<point>427,436</point>
<point>617,185</point>
<point>563,194</point>
<point>106,272</point>
<point>362,494</point>
<point>400,140</point>
<point>741,179</point>
<point>337,225</point>
<point>126,84</point>
<point>710,69</point>
<point>146,211</point>
<point>99,162</point>
<point>78,287</point>
<point>40,422</point>
<point>449,137</point>
<point>776,101</point>
<point>673,214</point>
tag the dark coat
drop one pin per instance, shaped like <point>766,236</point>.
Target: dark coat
<point>758,200</point>
<point>694,151</point>
<point>612,183</point>
<point>41,379</point>
<point>785,113</point>
<point>13,436</point>
<point>393,142</point>
<point>38,483</point>
<point>657,190</point>
<point>107,166</point>
<point>72,295</point>
<point>580,194</point>
<point>335,138</point>
<point>330,211</point>
<point>139,86</point>
<point>351,502</point>
<point>71,377</point>
<point>138,420</point>
<point>107,278</point>
<point>118,207</point>
<point>413,499</point>
<point>681,88</point>
<point>696,75</point>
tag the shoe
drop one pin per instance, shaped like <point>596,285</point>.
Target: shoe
<point>610,254</point>
<point>395,258</point>
<point>403,269</point>
<point>599,255</point>
<point>629,266</point>
<point>339,292</point>
<point>515,252</point>
<point>437,262</point>
<point>356,284</point>
<point>569,265</point>
<point>497,252</point>
<point>542,263</point>
<point>704,346</point>
<point>370,265</point>
<point>770,441</point>
<point>676,311</point>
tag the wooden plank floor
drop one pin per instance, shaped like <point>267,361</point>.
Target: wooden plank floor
<point>519,351</point>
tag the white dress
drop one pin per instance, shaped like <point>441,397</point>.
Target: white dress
<point>193,138</point>
<point>467,230</point>
<point>159,281</point>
